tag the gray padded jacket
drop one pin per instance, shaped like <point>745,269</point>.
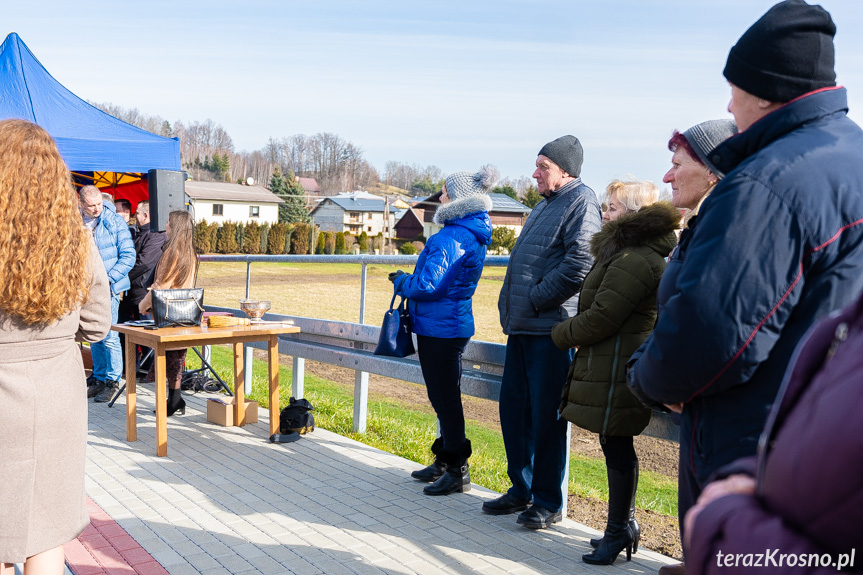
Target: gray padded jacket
<point>549,261</point>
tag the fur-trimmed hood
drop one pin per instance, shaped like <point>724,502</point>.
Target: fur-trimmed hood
<point>652,225</point>
<point>462,207</point>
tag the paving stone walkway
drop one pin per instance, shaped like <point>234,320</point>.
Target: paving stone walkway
<point>226,501</point>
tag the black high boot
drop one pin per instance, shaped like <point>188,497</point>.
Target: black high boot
<point>456,478</point>
<point>436,469</point>
<point>176,403</point>
<point>618,536</point>
<point>634,527</point>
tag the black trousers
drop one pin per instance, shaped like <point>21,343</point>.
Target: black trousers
<point>619,452</point>
<point>440,361</point>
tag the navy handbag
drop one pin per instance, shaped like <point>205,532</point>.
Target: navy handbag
<point>396,339</point>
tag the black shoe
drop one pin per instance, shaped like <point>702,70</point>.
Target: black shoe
<point>634,528</point>
<point>504,505</point>
<point>617,538</point>
<point>455,480</point>
<point>91,380</point>
<point>538,517</point>
<point>431,473</point>
<point>107,392</point>
<point>434,471</point>
<point>96,388</point>
<point>176,403</point>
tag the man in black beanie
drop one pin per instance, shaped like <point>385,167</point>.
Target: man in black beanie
<point>540,289</point>
<point>777,246</point>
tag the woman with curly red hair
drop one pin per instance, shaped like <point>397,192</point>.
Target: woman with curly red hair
<point>54,292</point>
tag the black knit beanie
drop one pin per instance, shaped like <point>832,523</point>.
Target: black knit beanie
<point>785,54</point>
<point>566,152</point>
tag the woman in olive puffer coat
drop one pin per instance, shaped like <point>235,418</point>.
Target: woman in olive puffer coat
<point>616,313</point>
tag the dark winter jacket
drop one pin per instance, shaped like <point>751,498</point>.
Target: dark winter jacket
<point>776,246</point>
<point>809,470</point>
<point>616,312</point>
<point>115,247</point>
<point>440,289</point>
<point>148,248</point>
<point>549,261</point>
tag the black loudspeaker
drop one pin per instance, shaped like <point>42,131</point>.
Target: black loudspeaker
<point>167,193</point>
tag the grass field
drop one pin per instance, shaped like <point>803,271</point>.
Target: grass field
<point>408,432</point>
<point>332,291</point>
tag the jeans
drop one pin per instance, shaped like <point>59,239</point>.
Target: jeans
<point>107,354</point>
<point>440,360</point>
<point>534,436</point>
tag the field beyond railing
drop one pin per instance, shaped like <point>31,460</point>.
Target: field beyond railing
<point>341,288</point>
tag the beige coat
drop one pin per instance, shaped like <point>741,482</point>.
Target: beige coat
<point>43,424</point>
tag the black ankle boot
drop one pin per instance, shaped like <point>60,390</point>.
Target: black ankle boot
<point>618,535</point>
<point>634,527</point>
<point>436,469</point>
<point>456,478</point>
<point>617,538</point>
<point>176,403</point>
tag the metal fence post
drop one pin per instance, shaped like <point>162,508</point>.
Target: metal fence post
<point>298,377</point>
<point>361,378</point>
<point>564,486</point>
<point>363,295</point>
<point>361,401</point>
<point>247,350</point>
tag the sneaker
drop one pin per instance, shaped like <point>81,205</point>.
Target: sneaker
<point>96,388</point>
<point>107,392</point>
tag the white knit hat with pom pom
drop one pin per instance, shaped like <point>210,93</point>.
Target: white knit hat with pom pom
<point>465,184</point>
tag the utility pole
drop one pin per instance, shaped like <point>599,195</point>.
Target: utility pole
<point>387,224</point>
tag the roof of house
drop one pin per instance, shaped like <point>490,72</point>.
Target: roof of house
<point>310,185</point>
<point>504,203</point>
<point>400,214</point>
<point>500,203</point>
<point>355,203</point>
<point>230,192</point>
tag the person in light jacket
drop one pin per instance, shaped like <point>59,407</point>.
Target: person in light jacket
<point>54,292</point>
<point>439,293</point>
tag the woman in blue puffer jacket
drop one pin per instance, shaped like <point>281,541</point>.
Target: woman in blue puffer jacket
<point>439,296</point>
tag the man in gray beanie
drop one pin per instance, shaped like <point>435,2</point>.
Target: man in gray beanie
<point>777,245</point>
<point>548,263</point>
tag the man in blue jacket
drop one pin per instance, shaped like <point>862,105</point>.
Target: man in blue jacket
<point>547,265</point>
<point>777,245</point>
<point>117,250</point>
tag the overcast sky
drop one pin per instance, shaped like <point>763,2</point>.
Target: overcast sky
<point>454,84</point>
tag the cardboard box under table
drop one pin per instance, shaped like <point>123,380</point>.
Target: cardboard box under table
<point>221,411</point>
<point>167,338</point>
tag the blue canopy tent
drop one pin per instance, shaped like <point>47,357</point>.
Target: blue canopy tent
<point>88,139</point>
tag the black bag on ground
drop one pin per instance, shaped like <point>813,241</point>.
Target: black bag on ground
<point>297,417</point>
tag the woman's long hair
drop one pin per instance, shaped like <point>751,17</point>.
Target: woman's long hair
<point>44,246</point>
<point>178,265</point>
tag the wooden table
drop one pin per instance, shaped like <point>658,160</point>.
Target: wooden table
<point>168,338</point>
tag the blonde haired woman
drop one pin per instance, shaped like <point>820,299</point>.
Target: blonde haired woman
<point>616,313</point>
<point>176,269</point>
<point>54,291</point>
